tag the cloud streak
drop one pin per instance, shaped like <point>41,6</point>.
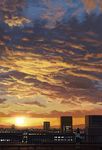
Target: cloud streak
<point>51,60</point>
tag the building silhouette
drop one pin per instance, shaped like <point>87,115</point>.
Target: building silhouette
<point>66,124</point>
<point>93,128</point>
<point>46,126</point>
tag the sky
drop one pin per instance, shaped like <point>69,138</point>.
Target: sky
<point>50,60</point>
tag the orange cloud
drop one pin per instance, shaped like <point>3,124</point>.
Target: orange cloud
<point>90,5</point>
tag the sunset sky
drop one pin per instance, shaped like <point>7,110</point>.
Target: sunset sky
<point>50,60</point>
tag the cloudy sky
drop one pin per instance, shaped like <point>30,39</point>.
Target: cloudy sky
<point>50,59</point>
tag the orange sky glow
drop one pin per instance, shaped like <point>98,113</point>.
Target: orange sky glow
<point>26,122</point>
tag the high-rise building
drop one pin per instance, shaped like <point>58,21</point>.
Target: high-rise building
<point>93,121</point>
<point>93,126</point>
<point>46,125</point>
<point>66,124</point>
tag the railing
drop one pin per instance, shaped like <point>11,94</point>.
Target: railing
<point>51,147</point>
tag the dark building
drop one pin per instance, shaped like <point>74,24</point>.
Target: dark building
<point>66,124</point>
<point>10,136</point>
<point>49,138</point>
<point>93,127</point>
<point>46,125</point>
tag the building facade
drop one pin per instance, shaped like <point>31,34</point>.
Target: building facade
<point>66,124</point>
<point>46,125</point>
<point>93,127</point>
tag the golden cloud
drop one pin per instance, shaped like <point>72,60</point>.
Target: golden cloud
<point>16,21</point>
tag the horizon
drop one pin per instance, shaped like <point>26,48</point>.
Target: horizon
<point>76,122</point>
<point>30,122</point>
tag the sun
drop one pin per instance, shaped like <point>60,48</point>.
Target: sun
<point>20,121</point>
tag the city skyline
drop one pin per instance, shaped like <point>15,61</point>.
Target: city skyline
<point>22,122</point>
<point>50,60</point>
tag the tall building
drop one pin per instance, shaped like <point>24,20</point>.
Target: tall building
<point>46,125</point>
<point>66,124</point>
<point>93,127</point>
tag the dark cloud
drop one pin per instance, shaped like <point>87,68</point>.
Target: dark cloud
<point>35,103</point>
<point>50,13</point>
<point>58,55</point>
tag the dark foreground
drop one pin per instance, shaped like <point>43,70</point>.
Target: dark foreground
<point>51,147</point>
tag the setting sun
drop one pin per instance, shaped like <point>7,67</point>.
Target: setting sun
<point>20,121</point>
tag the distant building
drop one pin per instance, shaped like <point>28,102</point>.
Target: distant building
<point>46,125</point>
<point>66,124</point>
<point>93,127</point>
<point>13,127</point>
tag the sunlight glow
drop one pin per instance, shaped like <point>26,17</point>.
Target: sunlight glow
<point>20,121</point>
